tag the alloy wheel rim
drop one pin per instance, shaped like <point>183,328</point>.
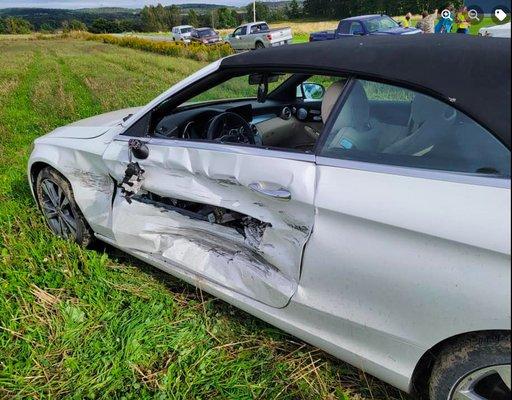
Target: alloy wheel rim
<point>57,209</point>
<point>489,383</point>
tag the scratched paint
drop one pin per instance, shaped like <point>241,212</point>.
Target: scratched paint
<point>263,263</point>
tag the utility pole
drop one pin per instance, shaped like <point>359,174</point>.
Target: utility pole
<point>254,10</point>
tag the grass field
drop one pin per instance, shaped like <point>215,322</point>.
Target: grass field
<point>95,323</point>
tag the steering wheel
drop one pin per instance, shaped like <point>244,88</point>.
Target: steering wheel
<point>220,129</point>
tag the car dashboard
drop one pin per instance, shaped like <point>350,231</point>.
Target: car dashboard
<point>272,123</point>
<point>192,123</point>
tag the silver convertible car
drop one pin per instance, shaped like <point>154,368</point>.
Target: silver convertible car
<point>354,193</point>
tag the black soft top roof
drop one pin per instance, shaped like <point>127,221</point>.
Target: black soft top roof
<point>473,73</point>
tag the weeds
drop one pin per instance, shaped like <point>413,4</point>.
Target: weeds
<point>194,51</point>
<point>78,323</point>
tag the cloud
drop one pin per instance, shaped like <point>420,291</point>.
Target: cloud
<point>109,3</point>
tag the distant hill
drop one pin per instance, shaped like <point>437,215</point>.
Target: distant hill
<point>55,16</point>
<point>203,7</point>
<point>107,10</point>
<point>130,17</point>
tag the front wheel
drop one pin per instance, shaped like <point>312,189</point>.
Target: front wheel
<point>56,201</point>
<point>477,368</point>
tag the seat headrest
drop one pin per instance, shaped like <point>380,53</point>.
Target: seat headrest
<point>330,97</point>
<point>355,113</point>
<point>424,108</point>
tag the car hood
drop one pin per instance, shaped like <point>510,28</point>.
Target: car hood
<point>92,127</point>
<point>397,31</point>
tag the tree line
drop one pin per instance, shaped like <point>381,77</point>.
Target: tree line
<point>15,25</point>
<point>149,19</point>
<point>344,8</point>
<point>161,18</point>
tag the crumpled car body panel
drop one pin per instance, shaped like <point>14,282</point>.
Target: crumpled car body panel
<point>262,264</point>
<point>370,263</point>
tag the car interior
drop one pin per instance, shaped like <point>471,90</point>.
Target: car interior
<point>288,112</point>
<point>414,130</point>
<point>289,115</point>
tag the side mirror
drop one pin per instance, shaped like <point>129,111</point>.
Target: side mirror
<point>312,91</point>
<point>400,23</point>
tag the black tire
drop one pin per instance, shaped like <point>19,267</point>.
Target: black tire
<point>82,234</point>
<point>259,45</point>
<point>463,360</point>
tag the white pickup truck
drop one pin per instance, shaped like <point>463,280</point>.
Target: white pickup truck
<point>182,33</point>
<point>257,35</point>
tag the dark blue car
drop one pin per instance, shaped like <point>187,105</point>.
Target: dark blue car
<point>364,25</point>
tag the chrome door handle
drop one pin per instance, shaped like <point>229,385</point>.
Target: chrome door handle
<point>270,190</point>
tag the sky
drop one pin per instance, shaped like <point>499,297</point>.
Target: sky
<point>107,3</point>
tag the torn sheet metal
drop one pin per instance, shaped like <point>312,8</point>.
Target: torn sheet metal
<point>260,259</point>
<point>132,181</point>
<point>212,251</point>
<point>250,228</point>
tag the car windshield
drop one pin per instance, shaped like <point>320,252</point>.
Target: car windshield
<point>380,23</point>
<point>186,30</point>
<point>235,88</point>
<point>205,32</point>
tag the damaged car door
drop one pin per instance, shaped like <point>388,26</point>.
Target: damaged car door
<point>235,216</point>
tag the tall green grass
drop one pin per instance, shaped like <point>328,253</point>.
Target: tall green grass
<point>86,324</point>
<point>199,52</point>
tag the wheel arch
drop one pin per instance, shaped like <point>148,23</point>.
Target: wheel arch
<point>423,370</point>
<point>36,167</point>
<point>34,170</point>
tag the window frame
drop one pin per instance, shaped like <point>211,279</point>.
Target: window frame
<point>342,26</point>
<point>242,29</point>
<point>354,23</point>
<point>438,174</point>
<point>216,77</point>
<point>210,81</point>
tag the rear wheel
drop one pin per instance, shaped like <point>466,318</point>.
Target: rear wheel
<point>259,45</point>
<point>56,201</point>
<point>477,368</point>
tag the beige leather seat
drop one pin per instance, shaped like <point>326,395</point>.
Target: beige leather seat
<point>352,126</point>
<point>430,122</point>
<point>329,100</point>
<point>330,97</point>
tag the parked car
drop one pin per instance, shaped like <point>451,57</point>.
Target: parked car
<point>364,25</point>
<point>502,31</point>
<point>182,33</point>
<point>258,35</point>
<point>363,207</point>
<point>205,36</point>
